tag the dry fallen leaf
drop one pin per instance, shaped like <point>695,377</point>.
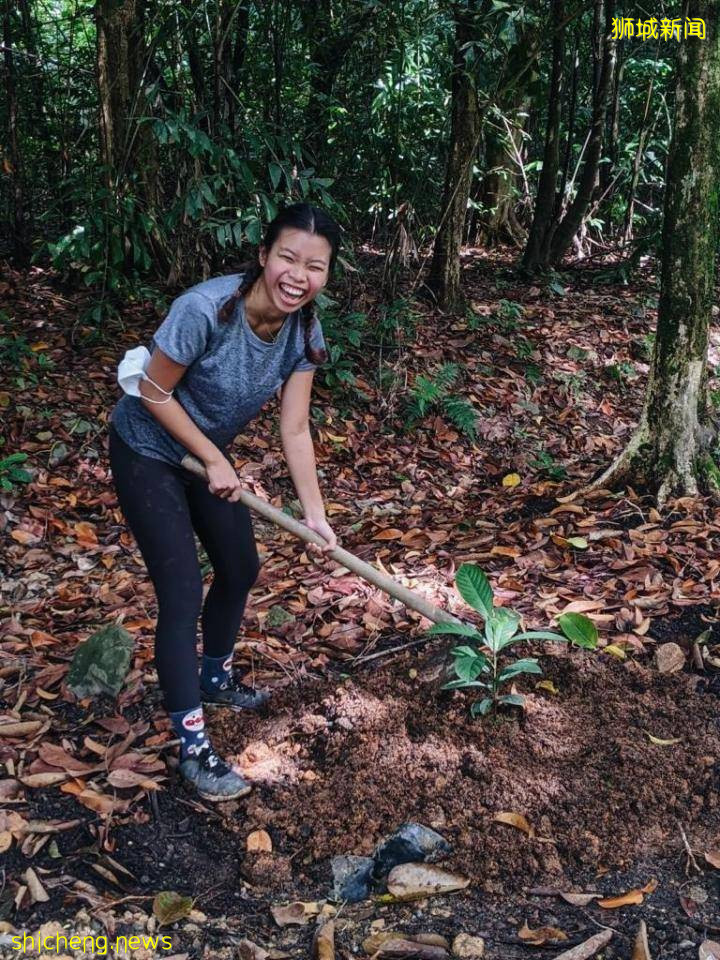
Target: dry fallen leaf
<point>516,820</point>
<point>376,942</point>
<point>247,950</point>
<point>541,935</point>
<point>641,950</point>
<point>37,890</point>
<point>709,950</point>
<point>413,879</point>
<point>663,743</point>
<point>511,480</point>
<point>259,842</point>
<point>713,858</point>
<point>43,779</point>
<point>22,728</point>
<point>626,899</point>
<point>169,906</point>
<point>294,914</point>
<point>583,951</point>
<point>323,947</point>
<point>580,899</point>
<point>396,946</point>
<point>614,650</point>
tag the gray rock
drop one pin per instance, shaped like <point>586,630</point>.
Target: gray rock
<point>352,877</point>
<point>410,843</point>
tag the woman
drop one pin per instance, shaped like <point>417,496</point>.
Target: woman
<point>224,348</point>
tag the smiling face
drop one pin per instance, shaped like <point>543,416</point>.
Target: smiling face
<point>295,269</point>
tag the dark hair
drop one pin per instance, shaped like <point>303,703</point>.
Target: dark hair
<point>298,216</point>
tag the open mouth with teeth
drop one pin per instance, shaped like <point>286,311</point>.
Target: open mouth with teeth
<point>291,294</point>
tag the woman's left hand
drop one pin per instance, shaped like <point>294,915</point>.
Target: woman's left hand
<point>321,526</point>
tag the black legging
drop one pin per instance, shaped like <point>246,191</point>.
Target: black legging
<point>163,505</point>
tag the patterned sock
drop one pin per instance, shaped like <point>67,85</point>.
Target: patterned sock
<point>215,671</point>
<point>189,725</point>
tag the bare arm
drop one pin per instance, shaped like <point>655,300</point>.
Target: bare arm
<point>300,454</point>
<point>167,373</point>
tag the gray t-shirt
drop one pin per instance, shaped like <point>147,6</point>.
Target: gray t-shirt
<point>230,372</point>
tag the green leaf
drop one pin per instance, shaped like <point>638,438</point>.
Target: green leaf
<point>462,684</point>
<point>579,629</point>
<point>464,652</point>
<point>481,708</point>
<point>458,629</point>
<point>469,668</point>
<point>275,173</point>
<point>502,628</point>
<point>512,700</point>
<point>580,543</point>
<point>13,458</point>
<point>475,589</point>
<point>169,907</point>
<point>253,230</point>
<point>529,665</point>
<point>540,635</point>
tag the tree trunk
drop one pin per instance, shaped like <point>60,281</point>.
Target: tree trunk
<point>444,276</point>
<point>570,224</point>
<point>669,449</point>
<point>20,232</point>
<point>116,21</point>
<point>637,162</point>
<point>544,204</point>
<point>503,152</point>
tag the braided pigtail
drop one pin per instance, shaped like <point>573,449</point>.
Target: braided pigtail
<point>250,272</point>
<point>309,317</point>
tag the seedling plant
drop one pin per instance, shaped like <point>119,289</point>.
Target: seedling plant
<point>486,664</point>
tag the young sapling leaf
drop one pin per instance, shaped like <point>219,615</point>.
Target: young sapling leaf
<point>579,630</point>
<point>474,587</point>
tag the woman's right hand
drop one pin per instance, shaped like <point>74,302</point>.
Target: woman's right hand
<point>222,480</point>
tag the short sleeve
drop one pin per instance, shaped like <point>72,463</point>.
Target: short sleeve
<point>184,334</point>
<point>317,342</point>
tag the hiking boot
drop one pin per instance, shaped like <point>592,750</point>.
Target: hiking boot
<point>238,696</point>
<point>212,777</point>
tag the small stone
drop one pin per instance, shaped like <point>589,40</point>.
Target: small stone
<point>669,658</point>
<point>410,843</point>
<point>472,948</point>
<point>351,878</point>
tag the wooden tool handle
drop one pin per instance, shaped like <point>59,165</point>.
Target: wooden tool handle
<point>353,563</point>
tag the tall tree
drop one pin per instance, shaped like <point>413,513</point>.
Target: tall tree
<point>551,237</point>
<point>669,451</point>
<point>117,23</point>
<point>545,200</point>
<point>444,276</point>
<point>13,161</point>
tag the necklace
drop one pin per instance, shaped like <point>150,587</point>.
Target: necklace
<point>271,337</point>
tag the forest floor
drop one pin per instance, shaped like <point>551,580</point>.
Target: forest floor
<point>612,770</point>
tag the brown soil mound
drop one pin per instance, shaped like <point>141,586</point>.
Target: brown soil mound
<point>344,768</point>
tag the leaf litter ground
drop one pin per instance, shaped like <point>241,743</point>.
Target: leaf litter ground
<point>360,739</point>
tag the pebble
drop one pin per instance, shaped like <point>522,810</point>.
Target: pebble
<point>351,877</point>
<point>410,843</point>
<point>669,658</point>
<point>471,948</point>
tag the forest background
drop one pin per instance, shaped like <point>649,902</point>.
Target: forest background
<point>522,375</point>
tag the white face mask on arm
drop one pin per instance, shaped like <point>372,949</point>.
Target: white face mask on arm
<point>131,370</point>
